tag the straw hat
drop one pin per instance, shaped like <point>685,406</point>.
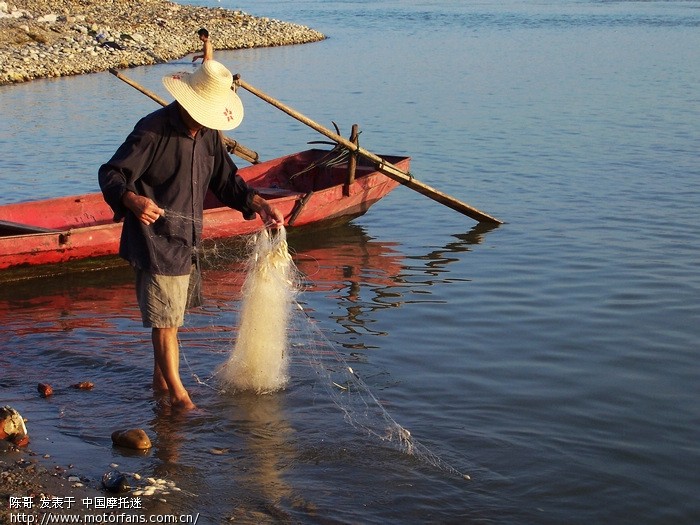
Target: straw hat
<point>207,96</point>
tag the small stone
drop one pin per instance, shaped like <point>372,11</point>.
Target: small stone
<point>115,481</point>
<point>83,385</point>
<point>49,19</point>
<point>45,390</point>
<point>135,438</point>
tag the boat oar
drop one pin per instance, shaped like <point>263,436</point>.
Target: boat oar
<point>382,165</point>
<point>232,145</point>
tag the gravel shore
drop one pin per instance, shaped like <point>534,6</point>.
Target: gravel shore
<point>54,38</point>
<point>26,476</point>
<point>32,485</point>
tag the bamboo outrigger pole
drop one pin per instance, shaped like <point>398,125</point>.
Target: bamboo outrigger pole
<point>382,165</point>
<point>232,145</point>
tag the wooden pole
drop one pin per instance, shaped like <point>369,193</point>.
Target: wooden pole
<point>352,161</point>
<point>231,145</point>
<point>382,165</point>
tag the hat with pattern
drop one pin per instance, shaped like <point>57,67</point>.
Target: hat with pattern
<point>207,96</point>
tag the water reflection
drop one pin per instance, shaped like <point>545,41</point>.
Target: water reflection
<point>364,275</point>
<point>441,257</point>
<point>266,452</point>
<point>357,273</point>
<point>67,302</point>
<point>235,453</point>
<point>170,429</point>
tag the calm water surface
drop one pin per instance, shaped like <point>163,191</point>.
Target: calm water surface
<point>553,358</point>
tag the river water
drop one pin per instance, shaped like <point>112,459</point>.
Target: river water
<point>553,359</point>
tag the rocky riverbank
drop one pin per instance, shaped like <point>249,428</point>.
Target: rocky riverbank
<point>54,38</point>
<point>26,477</point>
<point>32,484</point>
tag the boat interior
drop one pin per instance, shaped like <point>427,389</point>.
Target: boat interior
<point>9,228</point>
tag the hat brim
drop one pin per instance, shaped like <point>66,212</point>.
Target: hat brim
<point>215,114</point>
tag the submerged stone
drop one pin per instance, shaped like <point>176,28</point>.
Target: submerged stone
<point>84,385</point>
<point>115,481</point>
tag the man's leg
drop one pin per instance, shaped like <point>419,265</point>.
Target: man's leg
<point>166,371</point>
<point>162,300</point>
<point>159,384</point>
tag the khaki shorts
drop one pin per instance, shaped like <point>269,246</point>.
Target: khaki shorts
<point>163,299</point>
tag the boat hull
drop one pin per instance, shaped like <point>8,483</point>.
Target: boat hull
<point>79,227</point>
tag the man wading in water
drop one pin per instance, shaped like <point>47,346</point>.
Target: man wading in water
<point>156,181</point>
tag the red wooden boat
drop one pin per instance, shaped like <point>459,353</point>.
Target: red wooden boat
<point>310,187</point>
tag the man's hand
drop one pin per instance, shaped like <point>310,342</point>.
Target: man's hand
<point>144,208</point>
<point>270,215</point>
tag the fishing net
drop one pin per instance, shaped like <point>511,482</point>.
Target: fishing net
<point>275,329</point>
<point>259,361</point>
<point>359,406</point>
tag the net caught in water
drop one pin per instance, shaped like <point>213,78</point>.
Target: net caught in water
<point>273,324</point>
<point>355,399</point>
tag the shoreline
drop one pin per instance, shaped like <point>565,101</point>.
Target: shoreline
<point>32,485</point>
<point>26,474</point>
<point>56,38</point>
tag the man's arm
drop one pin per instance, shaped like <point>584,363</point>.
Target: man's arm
<point>234,192</point>
<point>117,177</point>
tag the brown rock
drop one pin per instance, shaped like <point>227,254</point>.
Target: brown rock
<point>44,389</point>
<point>84,385</point>
<point>134,438</point>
